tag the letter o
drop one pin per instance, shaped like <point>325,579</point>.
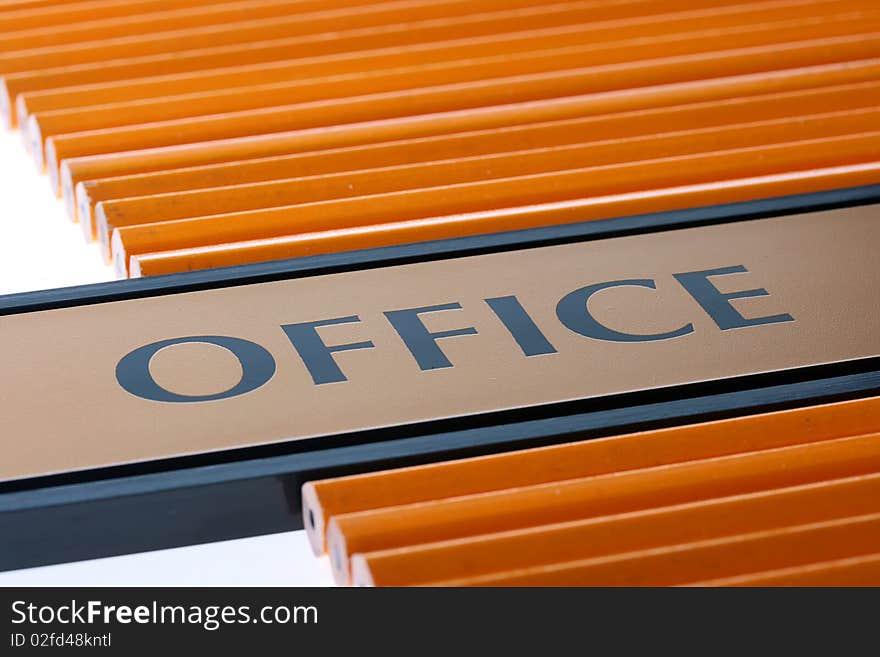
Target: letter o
<point>133,371</point>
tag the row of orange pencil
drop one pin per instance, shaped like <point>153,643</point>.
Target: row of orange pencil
<point>189,134</point>
<point>783,498</point>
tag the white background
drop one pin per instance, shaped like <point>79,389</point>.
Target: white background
<point>41,248</point>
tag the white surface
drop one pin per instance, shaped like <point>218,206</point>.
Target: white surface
<point>39,249</point>
<point>274,560</point>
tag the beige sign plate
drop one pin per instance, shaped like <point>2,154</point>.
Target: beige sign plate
<point>172,375</point>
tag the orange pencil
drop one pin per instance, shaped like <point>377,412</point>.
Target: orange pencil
<point>18,5</point>
<point>294,66</point>
<point>296,84</point>
<point>76,170</point>
<point>187,224</point>
<point>481,196</point>
<point>474,94</point>
<point>609,535</point>
<point>273,48</point>
<point>475,223</point>
<point>580,151</point>
<point>855,571</point>
<point>329,497</point>
<point>8,6</point>
<point>690,562</point>
<point>375,15</point>
<point>591,497</point>
<point>27,5</point>
<point>103,28</point>
<point>508,138</point>
<point>24,15</point>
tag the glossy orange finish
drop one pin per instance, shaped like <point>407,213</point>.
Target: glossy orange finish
<point>300,61</point>
<point>417,34</point>
<point>19,5</point>
<point>692,562</point>
<point>474,143</point>
<point>324,109</point>
<point>543,199</point>
<point>329,497</point>
<point>186,221</point>
<point>178,221</point>
<point>21,16</point>
<point>610,535</point>
<point>293,23</point>
<point>99,28</point>
<point>595,496</point>
<point>601,45</point>
<point>76,170</point>
<point>855,571</point>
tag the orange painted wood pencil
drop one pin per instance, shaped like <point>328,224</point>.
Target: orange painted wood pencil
<point>329,497</point>
<point>581,152</point>
<point>26,16</point>
<point>575,49</point>
<point>168,19</point>
<point>591,497</point>
<point>76,170</point>
<point>855,571</point>
<point>493,140</point>
<point>18,5</point>
<point>687,563</point>
<point>188,225</point>
<point>551,544</point>
<point>298,62</point>
<point>453,200</point>
<point>474,94</point>
<point>296,23</point>
<point>476,223</point>
<point>274,47</point>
